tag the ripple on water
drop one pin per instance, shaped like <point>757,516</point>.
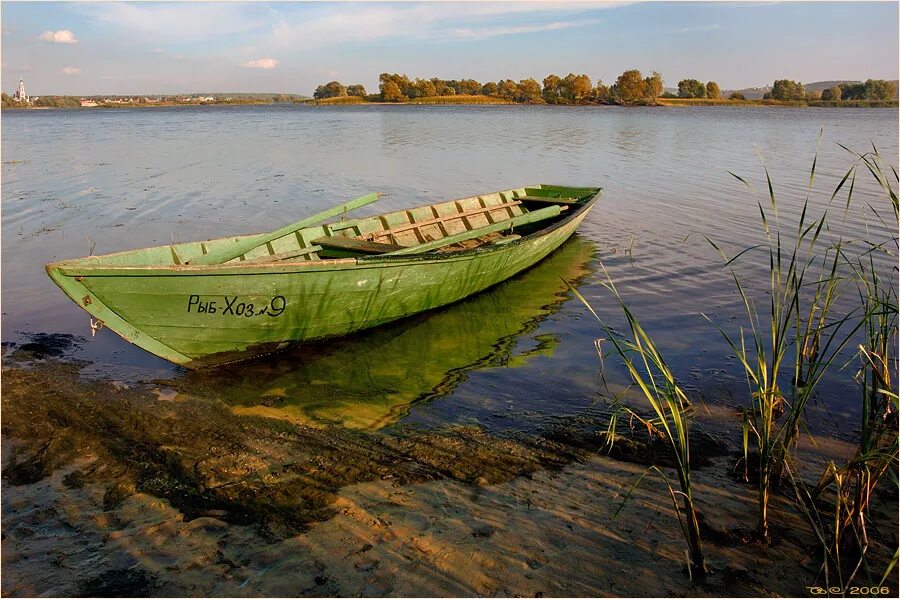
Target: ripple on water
<point>127,179</point>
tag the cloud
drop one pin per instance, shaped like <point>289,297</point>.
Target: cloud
<point>70,70</point>
<point>433,21</point>
<point>711,27</point>
<point>261,63</point>
<point>63,36</point>
<point>180,22</point>
<point>487,32</point>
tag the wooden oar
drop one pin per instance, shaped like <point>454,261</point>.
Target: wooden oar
<point>524,219</point>
<point>242,247</point>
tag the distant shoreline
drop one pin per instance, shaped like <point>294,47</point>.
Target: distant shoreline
<point>486,101</point>
<point>660,102</point>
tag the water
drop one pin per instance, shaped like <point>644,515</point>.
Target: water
<point>516,358</point>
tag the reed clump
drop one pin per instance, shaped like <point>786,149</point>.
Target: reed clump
<point>842,530</point>
<point>460,99</point>
<point>828,303</point>
<point>786,349</point>
<point>671,407</point>
<point>340,100</point>
<point>804,334</point>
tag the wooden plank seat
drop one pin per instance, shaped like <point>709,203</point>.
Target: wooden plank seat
<point>356,245</point>
<point>441,219</point>
<point>544,200</point>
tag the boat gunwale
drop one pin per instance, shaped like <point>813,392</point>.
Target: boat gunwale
<point>77,267</point>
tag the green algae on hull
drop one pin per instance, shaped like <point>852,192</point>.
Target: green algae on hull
<point>200,315</point>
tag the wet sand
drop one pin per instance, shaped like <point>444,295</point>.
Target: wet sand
<point>113,489</point>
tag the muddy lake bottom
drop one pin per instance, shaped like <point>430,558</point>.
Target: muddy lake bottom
<point>115,489</point>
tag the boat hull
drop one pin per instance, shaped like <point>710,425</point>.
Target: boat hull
<point>202,316</point>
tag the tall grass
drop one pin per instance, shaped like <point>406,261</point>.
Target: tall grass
<point>783,103</point>
<point>797,334</point>
<point>656,382</point>
<point>460,99</point>
<point>843,531</point>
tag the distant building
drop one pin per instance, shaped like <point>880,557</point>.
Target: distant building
<point>20,96</point>
<point>85,103</point>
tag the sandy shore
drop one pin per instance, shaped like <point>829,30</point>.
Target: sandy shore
<point>116,490</point>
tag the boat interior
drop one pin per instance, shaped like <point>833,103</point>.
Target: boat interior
<point>454,225</point>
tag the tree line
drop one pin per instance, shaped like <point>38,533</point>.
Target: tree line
<point>871,90</point>
<point>631,87</point>
<point>46,101</point>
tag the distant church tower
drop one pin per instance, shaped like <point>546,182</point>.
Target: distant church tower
<point>20,96</point>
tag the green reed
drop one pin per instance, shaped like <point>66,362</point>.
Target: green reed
<point>842,532</point>
<point>656,382</point>
<point>796,334</point>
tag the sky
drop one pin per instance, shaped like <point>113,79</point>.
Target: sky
<point>81,48</point>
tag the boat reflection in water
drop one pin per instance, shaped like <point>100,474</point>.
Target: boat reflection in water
<point>371,380</point>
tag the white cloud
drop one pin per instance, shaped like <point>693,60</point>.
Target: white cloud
<point>63,36</point>
<point>261,63</point>
<point>711,27</point>
<point>189,21</point>
<point>70,70</point>
<point>439,21</point>
<point>487,32</point>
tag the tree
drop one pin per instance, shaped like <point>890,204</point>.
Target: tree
<point>490,89</point>
<point>551,89</point>
<point>420,88</point>
<point>736,96</point>
<point>404,85</point>
<point>469,87</point>
<point>879,89</point>
<point>785,89</point>
<point>691,88</point>
<point>528,90</point>
<point>712,91</point>
<point>58,101</point>
<point>654,86</point>
<point>356,90</point>
<point>575,87</point>
<point>332,89</point>
<point>601,93</point>
<point>832,94</point>
<point>668,95</point>
<point>814,95</point>
<point>390,92</point>
<point>853,91</point>
<point>507,89</point>
<point>629,88</point>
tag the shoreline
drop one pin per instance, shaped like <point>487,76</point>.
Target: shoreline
<point>662,103</point>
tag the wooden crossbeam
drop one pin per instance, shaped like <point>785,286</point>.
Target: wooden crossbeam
<point>357,245</point>
<point>524,219</point>
<point>285,255</point>
<point>442,219</point>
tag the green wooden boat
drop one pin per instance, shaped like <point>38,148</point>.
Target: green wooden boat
<point>211,302</point>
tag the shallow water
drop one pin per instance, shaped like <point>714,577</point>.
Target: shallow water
<point>515,358</point>
<point>453,453</point>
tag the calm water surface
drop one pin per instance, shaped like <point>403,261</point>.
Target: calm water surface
<point>516,357</point>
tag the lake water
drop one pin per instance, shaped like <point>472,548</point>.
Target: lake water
<point>517,357</point>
